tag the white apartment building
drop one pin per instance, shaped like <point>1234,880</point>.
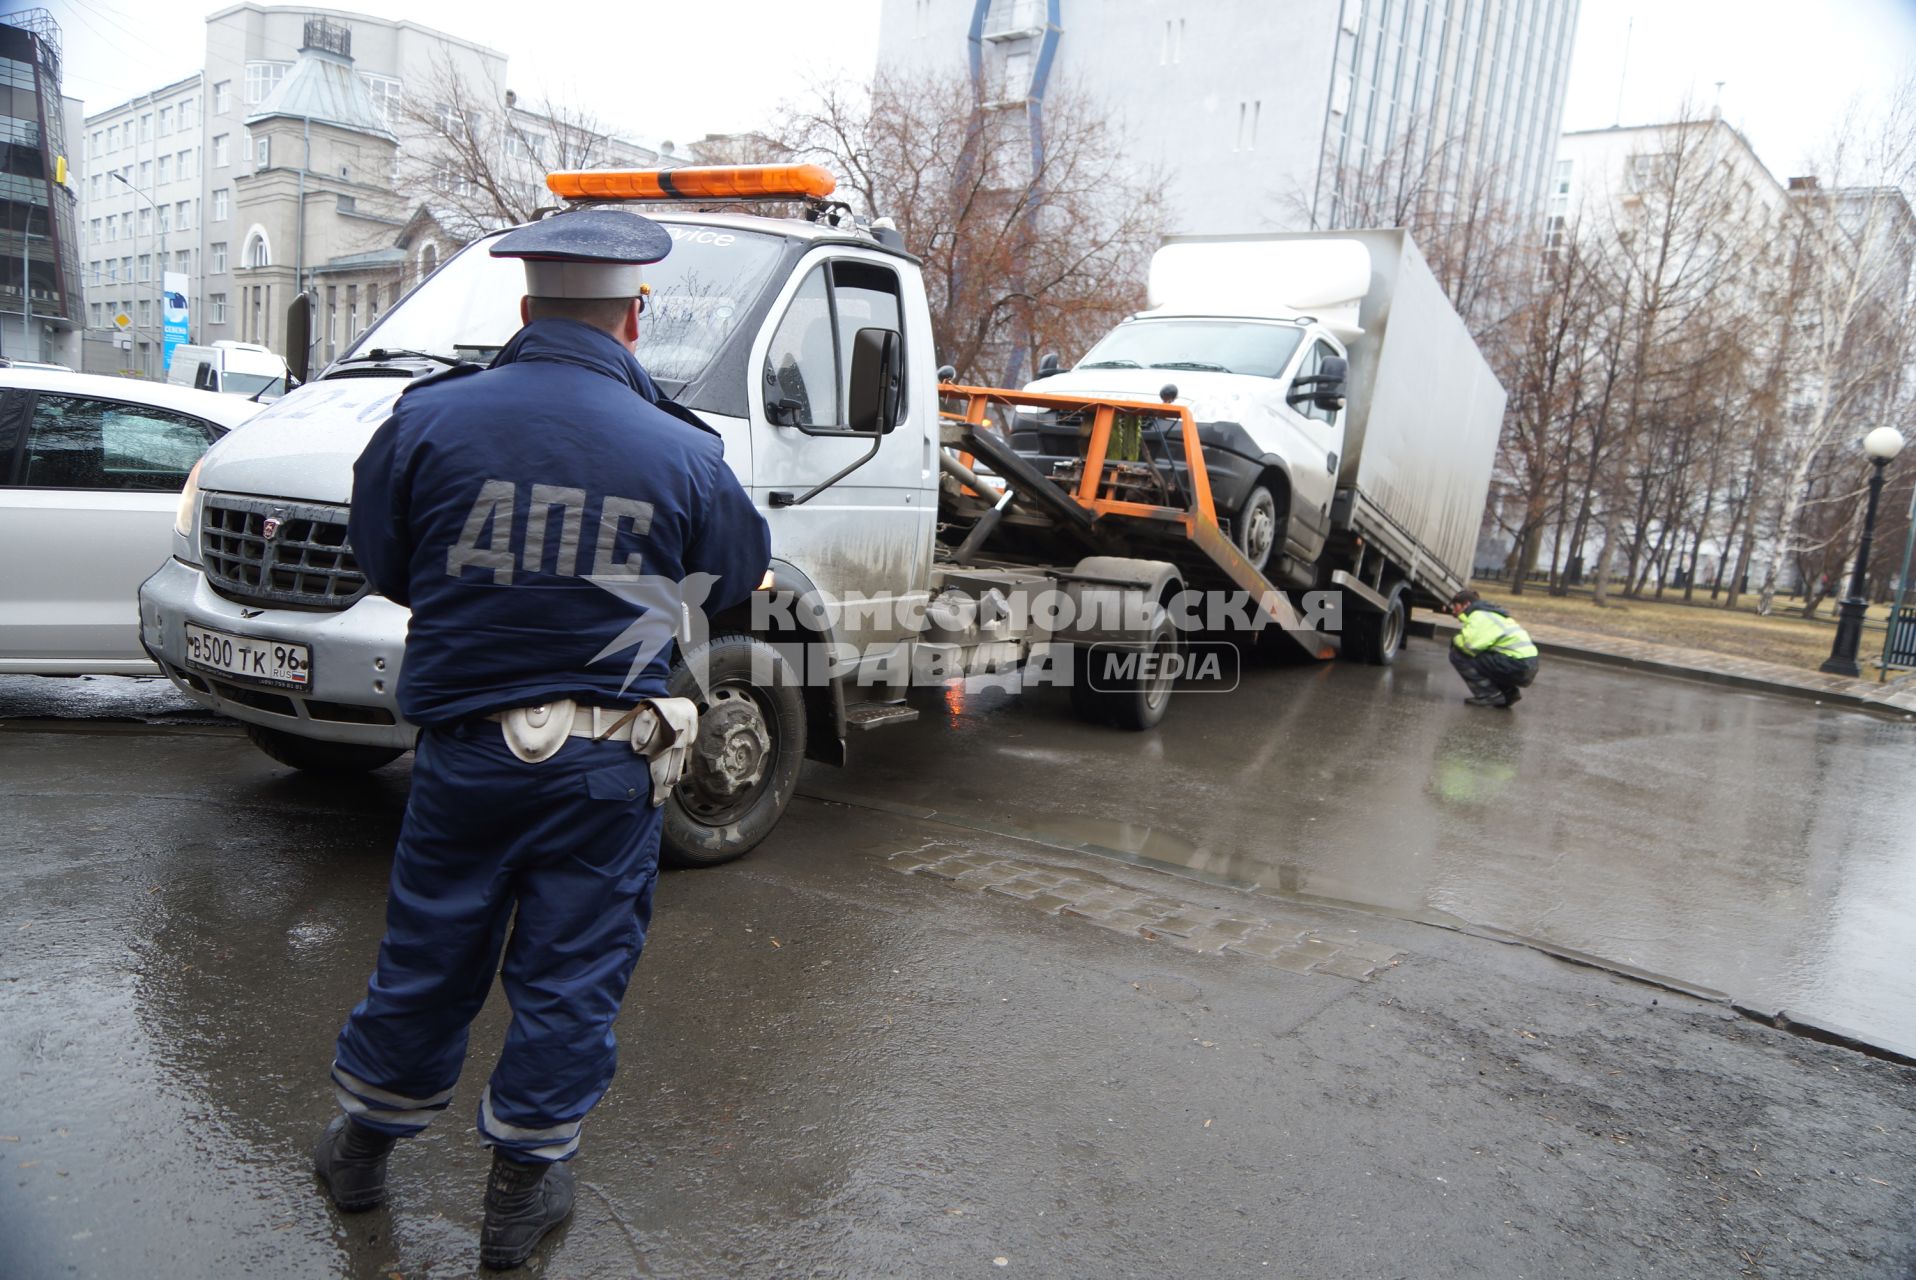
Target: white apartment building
<point>1262,114</point>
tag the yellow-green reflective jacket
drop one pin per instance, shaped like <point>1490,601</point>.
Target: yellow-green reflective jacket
<point>1490,630</point>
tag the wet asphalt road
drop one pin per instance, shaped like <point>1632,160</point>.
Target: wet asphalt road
<point>832,1069</point>
<point>1758,846</point>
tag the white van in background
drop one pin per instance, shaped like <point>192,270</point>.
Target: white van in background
<point>234,368</point>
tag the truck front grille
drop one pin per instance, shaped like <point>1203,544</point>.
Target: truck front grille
<point>303,561</point>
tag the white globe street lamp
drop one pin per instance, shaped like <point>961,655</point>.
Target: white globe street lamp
<point>1881,445</point>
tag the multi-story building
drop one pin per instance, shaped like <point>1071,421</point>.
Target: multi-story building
<point>1275,117</point>
<point>40,289</point>
<point>287,164</point>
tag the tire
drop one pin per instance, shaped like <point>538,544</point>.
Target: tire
<point>1377,638</point>
<point>751,744</point>
<point>315,756</point>
<point>1254,531</point>
<point>1135,704</point>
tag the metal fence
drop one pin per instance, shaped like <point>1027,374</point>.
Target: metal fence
<point>1901,649</point>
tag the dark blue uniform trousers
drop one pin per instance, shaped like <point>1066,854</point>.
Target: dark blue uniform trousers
<point>573,844</point>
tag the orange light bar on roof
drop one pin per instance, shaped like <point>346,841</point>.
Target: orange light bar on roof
<point>697,182</point>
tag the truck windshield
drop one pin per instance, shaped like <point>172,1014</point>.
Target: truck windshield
<point>252,384</point>
<point>469,308</point>
<point>1221,346</point>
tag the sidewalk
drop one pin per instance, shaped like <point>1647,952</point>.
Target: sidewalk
<point>1898,694</point>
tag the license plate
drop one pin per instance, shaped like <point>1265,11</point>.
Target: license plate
<point>249,657</point>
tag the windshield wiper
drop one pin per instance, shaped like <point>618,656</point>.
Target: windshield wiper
<point>1112,364</point>
<point>1190,364</point>
<point>381,355</point>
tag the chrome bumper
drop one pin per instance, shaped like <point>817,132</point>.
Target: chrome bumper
<point>356,655</point>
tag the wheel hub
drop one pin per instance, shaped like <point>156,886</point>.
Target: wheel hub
<point>730,755</point>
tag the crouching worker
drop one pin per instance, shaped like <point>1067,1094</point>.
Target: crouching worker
<point>1494,655</point>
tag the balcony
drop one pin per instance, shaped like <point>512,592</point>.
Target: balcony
<point>1016,19</point>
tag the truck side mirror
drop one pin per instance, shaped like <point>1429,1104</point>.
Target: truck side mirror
<point>872,403</point>
<point>1049,365</point>
<point>1335,372</point>
<point>299,335</point>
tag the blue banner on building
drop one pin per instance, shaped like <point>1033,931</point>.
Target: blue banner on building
<point>173,314</point>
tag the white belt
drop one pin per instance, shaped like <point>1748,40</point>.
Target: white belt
<point>660,729</point>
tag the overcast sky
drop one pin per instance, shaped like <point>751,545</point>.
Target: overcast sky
<point>680,70</point>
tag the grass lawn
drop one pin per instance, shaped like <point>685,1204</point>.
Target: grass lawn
<point>1783,637</point>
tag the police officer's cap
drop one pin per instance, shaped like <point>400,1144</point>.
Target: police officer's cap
<point>587,253</point>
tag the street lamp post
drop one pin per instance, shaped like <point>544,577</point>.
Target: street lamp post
<point>159,274</point>
<point>1882,445</point>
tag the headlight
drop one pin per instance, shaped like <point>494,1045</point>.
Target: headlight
<point>189,504</point>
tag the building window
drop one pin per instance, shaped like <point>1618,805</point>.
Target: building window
<point>385,93</point>
<point>216,306</point>
<point>162,219</point>
<point>95,227</point>
<point>262,152</point>
<point>1017,83</point>
<point>96,145</point>
<point>217,250</point>
<point>113,137</point>
<point>222,199</point>
<point>186,113</point>
<point>1564,169</point>
<point>146,267</point>
<point>372,303</point>
<point>428,260</point>
<point>1248,116</point>
<point>160,168</point>
<point>183,212</point>
<point>262,78</point>
<point>451,122</point>
<point>258,252</point>
<point>1553,232</point>
<point>146,222</point>
<point>146,173</point>
<point>126,270</point>
<point>219,151</point>
<point>222,97</point>
<point>94,316</point>
<point>166,120</point>
<point>146,127</point>
<point>183,262</point>
<point>146,312</point>
<point>1172,51</point>
<point>184,165</point>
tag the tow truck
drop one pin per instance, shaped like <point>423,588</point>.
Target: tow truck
<point>910,536</point>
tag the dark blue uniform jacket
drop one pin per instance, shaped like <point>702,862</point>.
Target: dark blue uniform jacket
<point>489,502</point>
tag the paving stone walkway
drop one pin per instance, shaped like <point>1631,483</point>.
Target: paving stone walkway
<point>1898,694</point>
<point>1152,917</point>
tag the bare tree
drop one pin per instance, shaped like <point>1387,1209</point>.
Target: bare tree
<point>1026,247</point>
<point>479,162</point>
<point>1851,331</point>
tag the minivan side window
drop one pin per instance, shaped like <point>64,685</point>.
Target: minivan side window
<point>808,365</point>
<point>74,442</point>
<point>1310,367</point>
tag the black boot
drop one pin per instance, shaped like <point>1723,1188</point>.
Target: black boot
<point>523,1203</point>
<point>351,1160</point>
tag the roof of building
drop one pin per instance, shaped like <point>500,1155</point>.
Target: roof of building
<point>390,257</point>
<point>322,87</point>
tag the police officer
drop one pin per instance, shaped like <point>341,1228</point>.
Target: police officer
<point>1495,656</point>
<point>506,507</point>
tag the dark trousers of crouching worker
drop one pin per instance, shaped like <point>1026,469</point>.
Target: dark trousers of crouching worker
<point>1492,675</point>
<point>573,843</point>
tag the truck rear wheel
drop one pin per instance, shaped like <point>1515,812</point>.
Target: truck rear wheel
<point>1377,638</point>
<point>1127,687</point>
<point>315,756</point>
<point>751,743</point>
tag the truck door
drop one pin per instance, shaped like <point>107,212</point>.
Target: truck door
<point>864,540</point>
<point>1314,474</point>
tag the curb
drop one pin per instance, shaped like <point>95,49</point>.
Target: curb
<point>1441,627</point>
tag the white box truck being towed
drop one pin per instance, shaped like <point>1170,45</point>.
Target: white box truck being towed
<point>806,343</point>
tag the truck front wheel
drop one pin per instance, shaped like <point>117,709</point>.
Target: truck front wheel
<point>315,756</point>
<point>1255,529</point>
<point>751,742</point>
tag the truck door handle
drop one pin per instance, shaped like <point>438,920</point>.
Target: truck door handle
<point>1330,464</point>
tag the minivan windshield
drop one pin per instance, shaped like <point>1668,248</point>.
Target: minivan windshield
<point>469,308</point>
<point>1217,346</point>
